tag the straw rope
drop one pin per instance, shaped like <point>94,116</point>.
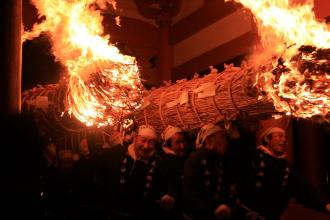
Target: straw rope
<point>230,99</point>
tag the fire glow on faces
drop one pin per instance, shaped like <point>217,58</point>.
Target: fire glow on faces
<point>179,144</point>
<point>144,146</point>
<point>277,143</point>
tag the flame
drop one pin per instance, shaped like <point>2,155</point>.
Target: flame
<point>295,49</point>
<point>103,85</point>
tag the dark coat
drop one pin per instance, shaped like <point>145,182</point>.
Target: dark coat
<point>205,184</point>
<point>266,184</point>
<point>131,188</point>
<point>173,167</point>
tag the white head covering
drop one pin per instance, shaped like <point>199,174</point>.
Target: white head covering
<point>147,131</point>
<point>269,131</point>
<point>170,131</point>
<point>205,131</point>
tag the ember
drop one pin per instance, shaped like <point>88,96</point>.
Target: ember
<point>295,50</point>
<point>104,85</point>
<point>299,87</point>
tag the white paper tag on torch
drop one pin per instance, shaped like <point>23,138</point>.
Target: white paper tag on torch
<point>184,98</point>
<point>145,104</point>
<point>172,103</point>
<point>206,90</point>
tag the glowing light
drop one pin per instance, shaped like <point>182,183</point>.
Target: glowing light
<point>104,87</point>
<point>294,65</point>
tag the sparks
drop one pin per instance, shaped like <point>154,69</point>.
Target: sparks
<point>103,85</point>
<point>295,49</point>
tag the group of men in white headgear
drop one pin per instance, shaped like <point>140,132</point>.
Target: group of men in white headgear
<point>143,182</point>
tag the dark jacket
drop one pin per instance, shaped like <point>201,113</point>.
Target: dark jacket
<point>266,184</point>
<point>173,167</point>
<point>205,184</point>
<point>131,188</point>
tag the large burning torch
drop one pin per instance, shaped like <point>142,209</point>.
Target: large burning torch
<point>103,85</point>
<point>289,74</point>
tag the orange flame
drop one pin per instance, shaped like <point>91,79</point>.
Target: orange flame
<point>104,85</point>
<point>294,45</point>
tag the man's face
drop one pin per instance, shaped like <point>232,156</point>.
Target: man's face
<point>179,145</point>
<point>277,143</point>
<point>217,142</point>
<point>144,146</point>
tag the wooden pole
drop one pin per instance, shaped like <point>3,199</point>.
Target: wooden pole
<point>11,48</point>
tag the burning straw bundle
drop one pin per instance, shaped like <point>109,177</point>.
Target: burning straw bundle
<point>48,107</point>
<point>299,86</point>
<point>314,63</point>
<point>216,97</point>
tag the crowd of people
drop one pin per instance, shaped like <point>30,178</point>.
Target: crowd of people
<point>173,176</point>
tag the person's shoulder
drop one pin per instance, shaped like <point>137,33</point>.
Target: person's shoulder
<point>258,151</point>
<point>197,156</point>
<point>167,157</point>
<point>261,155</point>
<point>156,158</point>
<point>172,161</point>
<point>197,153</point>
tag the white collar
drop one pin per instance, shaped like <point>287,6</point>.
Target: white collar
<point>131,151</point>
<point>168,151</point>
<point>269,152</point>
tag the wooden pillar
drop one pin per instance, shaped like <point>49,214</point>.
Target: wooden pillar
<point>11,49</point>
<point>310,152</point>
<point>165,50</point>
<point>309,137</point>
<point>162,12</point>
